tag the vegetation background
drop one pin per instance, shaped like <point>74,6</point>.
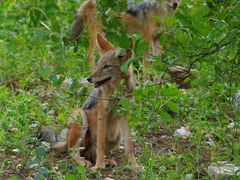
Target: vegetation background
<point>34,63</point>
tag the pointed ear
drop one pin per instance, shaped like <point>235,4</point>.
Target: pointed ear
<point>103,44</point>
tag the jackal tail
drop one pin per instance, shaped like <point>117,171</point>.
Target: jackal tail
<point>76,30</point>
<point>68,138</point>
<point>49,135</point>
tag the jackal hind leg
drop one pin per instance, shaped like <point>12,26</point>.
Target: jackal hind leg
<point>75,135</point>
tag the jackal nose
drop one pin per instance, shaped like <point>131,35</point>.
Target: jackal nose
<point>175,5</point>
<point>89,79</point>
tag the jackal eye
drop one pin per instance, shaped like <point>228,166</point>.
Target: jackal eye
<point>106,66</point>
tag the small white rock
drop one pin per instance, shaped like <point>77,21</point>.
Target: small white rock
<point>234,127</point>
<point>51,112</point>
<point>210,141</point>
<point>163,137</point>
<point>231,125</point>
<point>223,170</point>
<point>16,151</point>
<point>33,166</point>
<point>2,150</point>
<point>183,132</point>
<point>108,178</point>
<point>45,106</point>
<point>14,129</point>
<point>189,176</point>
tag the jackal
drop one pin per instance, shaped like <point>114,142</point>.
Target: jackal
<point>102,128</point>
<point>139,18</point>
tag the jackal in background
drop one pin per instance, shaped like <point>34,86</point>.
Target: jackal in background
<point>101,129</point>
<point>139,18</point>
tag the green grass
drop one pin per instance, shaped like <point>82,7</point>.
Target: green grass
<point>32,54</point>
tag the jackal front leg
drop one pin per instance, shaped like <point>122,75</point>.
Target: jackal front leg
<point>128,143</point>
<point>101,141</point>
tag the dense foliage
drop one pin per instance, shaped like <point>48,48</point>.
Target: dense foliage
<point>34,62</point>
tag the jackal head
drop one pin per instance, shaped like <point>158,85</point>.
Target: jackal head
<point>173,4</point>
<point>108,67</point>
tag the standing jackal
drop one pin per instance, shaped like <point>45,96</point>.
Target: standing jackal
<point>139,18</point>
<point>102,129</point>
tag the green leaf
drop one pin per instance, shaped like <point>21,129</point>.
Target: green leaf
<point>125,103</point>
<point>38,176</point>
<point>166,117</point>
<point>171,92</point>
<point>81,170</point>
<point>74,85</point>
<point>54,79</point>
<point>123,41</point>
<point>173,107</point>
<point>40,151</point>
<point>44,72</point>
<point>124,67</point>
<point>60,69</point>
<point>140,46</point>
<point>182,37</point>
<point>43,171</point>
<point>70,177</point>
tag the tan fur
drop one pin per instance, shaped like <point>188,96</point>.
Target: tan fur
<point>102,129</point>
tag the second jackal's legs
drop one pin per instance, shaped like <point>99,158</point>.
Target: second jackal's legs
<point>152,36</point>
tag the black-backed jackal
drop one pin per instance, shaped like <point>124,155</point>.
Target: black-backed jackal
<point>102,128</point>
<point>139,18</point>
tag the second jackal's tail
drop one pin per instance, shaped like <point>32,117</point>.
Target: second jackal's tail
<point>57,142</point>
<point>83,19</point>
<point>75,31</point>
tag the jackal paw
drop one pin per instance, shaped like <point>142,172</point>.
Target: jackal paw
<point>98,166</point>
<point>110,162</point>
<point>83,162</point>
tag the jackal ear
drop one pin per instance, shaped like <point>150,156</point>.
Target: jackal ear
<point>103,44</point>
